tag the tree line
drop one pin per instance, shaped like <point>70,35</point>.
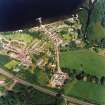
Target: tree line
<point>82,75</point>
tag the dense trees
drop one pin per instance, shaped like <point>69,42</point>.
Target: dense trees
<point>89,8</point>
<point>103,80</point>
<point>92,18</point>
<point>8,99</point>
<point>22,95</point>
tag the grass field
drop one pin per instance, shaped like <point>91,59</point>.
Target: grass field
<point>41,77</point>
<point>92,62</point>
<point>2,77</point>
<point>86,91</point>
<point>11,65</point>
<point>7,62</point>
<point>21,36</point>
<point>4,59</point>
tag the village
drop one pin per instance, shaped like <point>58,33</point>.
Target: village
<point>22,52</point>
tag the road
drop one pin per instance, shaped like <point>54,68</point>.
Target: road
<point>57,41</point>
<point>41,89</point>
<point>11,76</point>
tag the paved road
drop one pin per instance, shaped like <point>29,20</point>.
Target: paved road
<point>41,89</point>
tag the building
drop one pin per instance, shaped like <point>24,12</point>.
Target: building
<point>59,79</point>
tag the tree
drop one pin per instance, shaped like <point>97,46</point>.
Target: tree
<point>94,79</point>
<point>103,21</point>
<point>80,76</point>
<point>73,74</point>
<point>102,43</point>
<point>8,99</point>
<point>59,99</point>
<point>72,44</point>
<point>102,80</point>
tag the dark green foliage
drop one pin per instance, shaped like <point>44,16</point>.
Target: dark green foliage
<point>8,99</point>
<point>4,59</point>
<point>103,80</point>
<point>27,96</point>
<point>92,18</point>
<point>72,44</point>
<point>80,75</point>
<point>102,43</point>
<point>30,96</point>
<point>103,22</point>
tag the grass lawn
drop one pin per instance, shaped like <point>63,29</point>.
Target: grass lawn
<point>41,77</point>
<point>92,62</point>
<point>2,77</point>
<point>11,65</point>
<point>67,37</point>
<point>85,91</point>
<point>4,59</point>
<point>7,62</point>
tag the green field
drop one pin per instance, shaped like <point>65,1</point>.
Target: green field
<point>27,37</point>
<point>21,36</point>
<point>92,62</point>
<point>41,77</point>
<point>36,77</point>
<point>85,91</point>
<point>11,65</point>
<point>7,62</point>
<point>4,59</point>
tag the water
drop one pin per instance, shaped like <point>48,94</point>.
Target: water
<point>16,14</point>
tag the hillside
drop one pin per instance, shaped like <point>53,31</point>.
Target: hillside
<point>96,23</point>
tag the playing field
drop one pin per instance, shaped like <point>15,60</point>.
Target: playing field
<point>92,62</point>
<point>86,91</point>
